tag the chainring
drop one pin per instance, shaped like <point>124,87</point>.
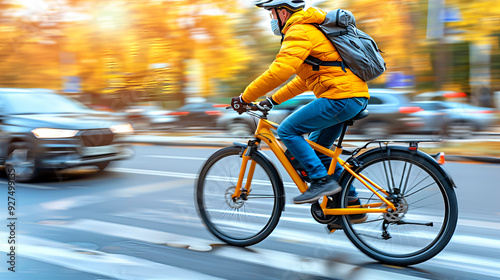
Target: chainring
<point>319,216</point>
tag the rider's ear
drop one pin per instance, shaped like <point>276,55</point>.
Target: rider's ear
<point>284,13</point>
<point>281,14</point>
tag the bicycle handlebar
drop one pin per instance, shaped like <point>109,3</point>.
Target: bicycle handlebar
<point>255,107</point>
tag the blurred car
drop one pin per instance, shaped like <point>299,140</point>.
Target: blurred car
<point>452,119</point>
<point>441,95</point>
<point>244,124</point>
<point>43,131</point>
<point>149,117</point>
<point>198,114</point>
<point>390,113</point>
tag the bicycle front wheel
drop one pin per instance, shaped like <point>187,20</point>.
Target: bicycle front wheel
<point>246,220</point>
<point>426,214</point>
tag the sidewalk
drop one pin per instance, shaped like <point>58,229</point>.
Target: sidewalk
<point>487,151</point>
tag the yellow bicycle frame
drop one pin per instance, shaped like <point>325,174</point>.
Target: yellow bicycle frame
<point>265,134</point>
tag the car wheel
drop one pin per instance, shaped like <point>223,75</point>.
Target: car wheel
<point>103,165</point>
<point>239,128</point>
<point>459,130</point>
<point>21,158</point>
<point>376,130</point>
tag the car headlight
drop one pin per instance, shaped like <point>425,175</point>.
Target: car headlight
<point>54,133</point>
<point>122,128</point>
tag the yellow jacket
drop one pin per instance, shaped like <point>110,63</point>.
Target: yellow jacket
<point>301,40</point>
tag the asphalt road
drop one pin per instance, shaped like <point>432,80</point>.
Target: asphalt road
<point>137,220</point>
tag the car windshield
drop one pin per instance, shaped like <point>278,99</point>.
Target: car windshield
<point>40,103</point>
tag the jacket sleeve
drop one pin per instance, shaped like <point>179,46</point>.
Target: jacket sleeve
<point>294,50</point>
<point>290,90</point>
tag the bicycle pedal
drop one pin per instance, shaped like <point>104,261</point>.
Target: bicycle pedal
<point>330,231</point>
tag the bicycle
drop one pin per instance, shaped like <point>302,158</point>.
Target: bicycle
<point>409,198</point>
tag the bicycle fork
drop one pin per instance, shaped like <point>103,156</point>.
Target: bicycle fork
<point>246,158</point>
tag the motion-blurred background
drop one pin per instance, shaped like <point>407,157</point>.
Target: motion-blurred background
<point>174,63</point>
<point>100,205</point>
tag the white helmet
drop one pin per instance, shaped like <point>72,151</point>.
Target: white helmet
<point>292,5</point>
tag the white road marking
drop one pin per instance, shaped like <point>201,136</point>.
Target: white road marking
<point>82,200</point>
<point>468,264</point>
<point>270,258</point>
<point>73,202</point>
<point>476,241</point>
<point>293,262</point>
<point>111,265</point>
<point>137,233</point>
<point>151,188</point>
<point>154,172</point>
<point>177,157</point>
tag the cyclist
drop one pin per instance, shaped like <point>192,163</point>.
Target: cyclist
<point>341,95</point>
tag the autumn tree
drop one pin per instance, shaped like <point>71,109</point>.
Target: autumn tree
<point>118,47</point>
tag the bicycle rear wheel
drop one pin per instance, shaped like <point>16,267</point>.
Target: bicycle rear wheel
<point>242,221</point>
<point>426,214</point>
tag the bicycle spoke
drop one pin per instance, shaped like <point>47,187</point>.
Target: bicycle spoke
<point>392,177</point>
<point>407,179</point>
<point>408,195</point>
<point>387,177</point>
<point>417,184</point>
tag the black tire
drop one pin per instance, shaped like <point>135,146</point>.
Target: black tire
<point>426,196</point>
<point>21,158</point>
<point>228,219</point>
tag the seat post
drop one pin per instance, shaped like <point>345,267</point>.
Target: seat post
<point>363,114</point>
<point>341,138</point>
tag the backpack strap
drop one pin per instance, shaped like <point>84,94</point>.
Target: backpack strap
<point>316,63</point>
<point>338,33</point>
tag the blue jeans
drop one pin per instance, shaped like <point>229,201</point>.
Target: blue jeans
<point>323,119</point>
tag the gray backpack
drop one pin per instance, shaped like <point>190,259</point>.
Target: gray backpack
<point>358,50</point>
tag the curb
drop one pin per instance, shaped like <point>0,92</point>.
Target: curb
<point>224,142</point>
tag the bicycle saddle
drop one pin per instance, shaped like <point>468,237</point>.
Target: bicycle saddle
<point>363,114</point>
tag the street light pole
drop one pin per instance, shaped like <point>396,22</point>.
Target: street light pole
<point>436,32</point>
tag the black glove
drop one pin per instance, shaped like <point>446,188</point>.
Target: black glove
<point>269,102</point>
<point>238,105</point>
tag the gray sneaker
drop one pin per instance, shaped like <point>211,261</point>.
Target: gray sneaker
<point>318,189</point>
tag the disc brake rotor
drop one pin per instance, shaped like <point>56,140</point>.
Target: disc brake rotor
<point>233,203</point>
<point>401,210</point>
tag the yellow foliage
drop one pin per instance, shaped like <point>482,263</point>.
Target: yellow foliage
<point>122,43</point>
